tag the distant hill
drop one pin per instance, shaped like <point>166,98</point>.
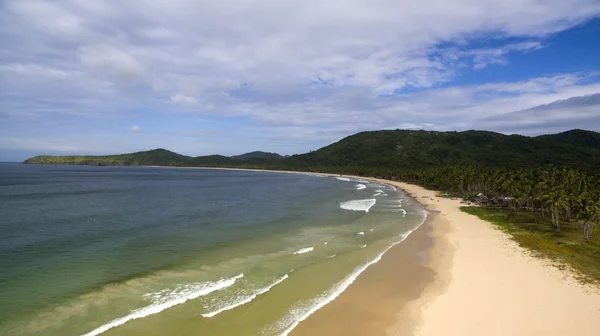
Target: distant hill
<point>257,155</point>
<point>155,157</point>
<point>397,149</point>
<point>210,160</point>
<point>405,149</point>
<point>575,137</point>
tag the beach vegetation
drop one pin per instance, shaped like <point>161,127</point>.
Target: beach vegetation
<point>566,248</point>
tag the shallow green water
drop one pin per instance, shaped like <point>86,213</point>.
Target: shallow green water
<point>155,251</point>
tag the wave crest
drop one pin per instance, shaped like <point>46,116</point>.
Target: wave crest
<point>358,205</point>
<point>246,299</point>
<point>304,250</point>
<point>166,299</point>
<point>302,313</point>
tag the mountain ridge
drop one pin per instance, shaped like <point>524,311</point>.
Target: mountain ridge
<point>400,149</point>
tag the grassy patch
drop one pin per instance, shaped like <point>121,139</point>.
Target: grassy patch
<point>538,235</point>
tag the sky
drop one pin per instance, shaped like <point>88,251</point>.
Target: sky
<point>232,76</point>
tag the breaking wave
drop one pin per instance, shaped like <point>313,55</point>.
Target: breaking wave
<point>302,313</point>
<point>246,299</point>
<point>304,250</point>
<point>401,210</point>
<point>358,205</point>
<point>166,299</point>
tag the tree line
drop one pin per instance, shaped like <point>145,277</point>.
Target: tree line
<point>557,193</point>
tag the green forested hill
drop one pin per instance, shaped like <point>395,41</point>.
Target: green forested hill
<point>576,137</point>
<point>257,155</point>
<point>155,157</point>
<point>397,149</point>
<point>404,149</point>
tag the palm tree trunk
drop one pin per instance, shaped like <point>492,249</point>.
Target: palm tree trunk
<point>587,230</point>
<point>556,219</point>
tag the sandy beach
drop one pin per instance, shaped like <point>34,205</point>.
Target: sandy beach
<point>458,275</point>
<point>491,286</point>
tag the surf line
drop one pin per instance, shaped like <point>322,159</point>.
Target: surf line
<point>155,308</point>
<point>247,299</point>
<point>344,284</point>
<point>304,250</point>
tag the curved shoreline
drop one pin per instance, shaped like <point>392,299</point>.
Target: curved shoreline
<point>484,282</point>
<point>490,285</point>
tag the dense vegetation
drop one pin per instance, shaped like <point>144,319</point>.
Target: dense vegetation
<point>155,157</point>
<point>399,149</point>
<point>558,194</point>
<point>257,155</point>
<point>553,176</point>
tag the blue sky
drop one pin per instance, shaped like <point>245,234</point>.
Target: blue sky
<point>228,77</point>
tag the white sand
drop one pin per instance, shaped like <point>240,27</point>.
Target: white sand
<point>491,286</point>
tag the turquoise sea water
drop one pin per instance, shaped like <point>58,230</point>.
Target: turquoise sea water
<point>170,251</point>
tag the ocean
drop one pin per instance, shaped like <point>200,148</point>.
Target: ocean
<point>181,251</point>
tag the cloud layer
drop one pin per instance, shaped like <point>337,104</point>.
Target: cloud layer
<point>302,73</point>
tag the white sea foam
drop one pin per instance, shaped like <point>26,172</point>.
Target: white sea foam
<point>361,233</point>
<point>401,210</point>
<point>358,205</point>
<point>360,186</point>
<point>246,299</point>
<point>393,188</point>
<point>363,246</point>
<point>304,250</point>
<point>166,299</point>
<point>336,290</point>
<point>379,191</point>
<point>383,194</point>
<point>371,230</point>
<point>376,194</point>
<point>391,207</point>
<point>325,243</point>
<point>331,256</point>
<point>343,179</point>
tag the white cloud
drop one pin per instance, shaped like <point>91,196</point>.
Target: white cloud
<point>184,100</point>
<point>482,58</point>
<point>136,128</point>
<point>316,68</point>
<point>117,64</point>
